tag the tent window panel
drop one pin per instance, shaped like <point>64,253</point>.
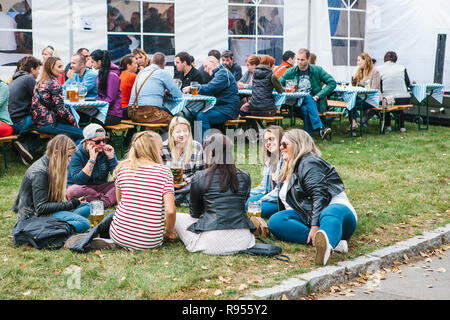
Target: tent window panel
<point>340,52</point>
<point>158,17</point>
<point>164,44</point>
<point>338,23</point>
<point>270,21</point>
<point>335,4</point>
<point>120,45</point>
<point>356,48</point>
<point>242,48</point>
<point>124,16</point>
<point>279,2</point>
<point>271,47</point>
<point>357,24</point>
<point>360,4</point>
<point>241,20</point>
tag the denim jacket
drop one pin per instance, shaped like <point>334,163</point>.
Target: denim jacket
<point>266,187</point>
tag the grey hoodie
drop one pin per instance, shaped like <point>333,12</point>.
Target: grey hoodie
<point>20,94</point>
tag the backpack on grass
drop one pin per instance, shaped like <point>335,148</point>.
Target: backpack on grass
<point>42,232</point>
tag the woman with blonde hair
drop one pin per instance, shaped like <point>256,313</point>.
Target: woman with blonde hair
<point>142,59</point>
<point>50,51</point>
<point>144,190</point>
<point>180,150</point>
<point>366,76</point>
<point>43,188</point>
<point>267,191</point>
<point>315,208</point>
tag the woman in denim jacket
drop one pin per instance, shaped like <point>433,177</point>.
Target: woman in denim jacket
<point>267,191</point>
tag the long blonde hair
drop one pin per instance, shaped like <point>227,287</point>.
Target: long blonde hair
<point>57,152</point>
<point>145,145</point>
<point>363,74</point>
<point>188,146</point>
<point>302,144</point>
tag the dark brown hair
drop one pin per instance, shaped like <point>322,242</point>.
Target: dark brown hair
<point>390,56</point>
<point>222,159</point>
<point>125,61</point>
<point>47,73</point>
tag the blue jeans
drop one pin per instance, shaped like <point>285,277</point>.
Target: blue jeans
<point>353,114</point>
<point>56,128</point>
<point>77,217</point>
<point>210,117</point>
<point>310,113</point>
<point>336,220</point>
<point>22,129</point>
<point>267,208</point>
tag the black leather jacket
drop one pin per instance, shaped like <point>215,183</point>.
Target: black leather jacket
<point>33,193</point>
<point>216,210</point>
<point>312,185</point>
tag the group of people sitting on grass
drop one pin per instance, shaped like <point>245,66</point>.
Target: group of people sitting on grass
<point>302,195</point>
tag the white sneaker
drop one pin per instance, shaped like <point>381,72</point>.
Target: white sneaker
<point>402,129</point>
<point>342,247</point>
<point>323,247</point>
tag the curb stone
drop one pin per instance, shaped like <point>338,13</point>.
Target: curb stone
<point>325,277</point>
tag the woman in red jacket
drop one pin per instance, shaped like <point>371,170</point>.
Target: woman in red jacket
<point>128,68</point>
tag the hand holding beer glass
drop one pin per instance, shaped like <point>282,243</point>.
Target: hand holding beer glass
<point>194,88</point>
<point>97,212</point>
<point>254,209</point>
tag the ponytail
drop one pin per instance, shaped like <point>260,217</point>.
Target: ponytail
<point>103,73</point>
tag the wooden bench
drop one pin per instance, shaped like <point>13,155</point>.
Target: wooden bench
<point>117,133</point>
<point>44,136</point>
<point>328,117</point>
<point>5,144</point>
<point>403,106</point>
<point>261,120</point>
<point>234,122</point>
<point>149,126</point>
<point>336,104</point>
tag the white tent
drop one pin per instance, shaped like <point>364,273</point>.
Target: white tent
<point>408,27</point>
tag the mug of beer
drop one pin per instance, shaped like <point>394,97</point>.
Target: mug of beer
<point>177,172</point>
<point>254,209</point>
<point>97,212</point>
<point>194,88</point>
<point>73,93</point>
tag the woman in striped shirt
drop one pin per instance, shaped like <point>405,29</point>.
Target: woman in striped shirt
<point>144,189</point>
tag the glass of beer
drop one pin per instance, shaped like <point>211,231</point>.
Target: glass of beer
<point>74,94</point>
<point>254,209</point>
<point>97,212</point>
<point>82,91</point>
<point>289,86</point>
<point>194,88</point>
<point>177,172</point>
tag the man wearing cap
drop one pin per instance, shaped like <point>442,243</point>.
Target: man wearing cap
<point>90,167</point>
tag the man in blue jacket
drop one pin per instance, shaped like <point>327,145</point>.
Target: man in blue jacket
<point>82,74</point>
<point>222,86</point>
<point>90,167</point>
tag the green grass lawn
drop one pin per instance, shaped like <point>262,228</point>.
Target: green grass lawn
<point>398,183</point>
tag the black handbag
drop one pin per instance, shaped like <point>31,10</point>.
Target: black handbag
<point>266,249</point>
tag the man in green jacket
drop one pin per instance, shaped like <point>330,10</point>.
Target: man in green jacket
<point>310,79</point>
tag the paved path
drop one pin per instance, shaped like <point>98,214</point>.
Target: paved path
<point>419,280</point>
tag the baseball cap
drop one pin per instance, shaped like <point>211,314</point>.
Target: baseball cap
<point>90,131</point>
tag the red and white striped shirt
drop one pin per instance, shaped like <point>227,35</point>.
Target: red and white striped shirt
<point>138,222</point>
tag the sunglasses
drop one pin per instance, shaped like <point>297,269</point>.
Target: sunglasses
<point>284,144</point>
<point>100,141</point>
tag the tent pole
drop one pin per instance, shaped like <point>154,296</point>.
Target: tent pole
<point>71,28</point>
<point>309,25</point>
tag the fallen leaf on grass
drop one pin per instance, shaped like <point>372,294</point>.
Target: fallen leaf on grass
<point>204,268</point>
<point>26,293</point>
<point>226,280</point>
<point>218,292</point>
<point>242,287</point>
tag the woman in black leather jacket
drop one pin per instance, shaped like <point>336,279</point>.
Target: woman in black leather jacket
<point>43,188</point>
<point>218,223</point>
<point>315,208</point>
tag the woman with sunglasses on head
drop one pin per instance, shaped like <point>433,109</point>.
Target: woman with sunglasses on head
<point>43,188</point>
<point>90,167</point>
<point>47,52</point>
<point>315,208</point>
<point>48,111</point>
<point>267,191</point>
<point>218,223</point>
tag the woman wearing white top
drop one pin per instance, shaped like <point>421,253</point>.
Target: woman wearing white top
<point>317,209</point>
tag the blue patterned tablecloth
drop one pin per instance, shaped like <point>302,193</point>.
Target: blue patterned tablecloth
<point>420,91</point>
<point>193,103</point>
<point>350,94</point>
<point>102,107</point>
<point>280,98</point>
